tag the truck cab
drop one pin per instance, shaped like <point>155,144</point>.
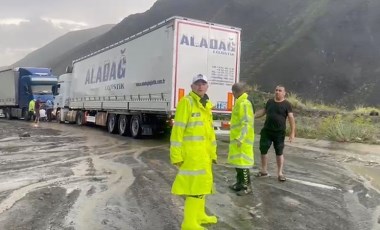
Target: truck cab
<point>31,83</point>
<point>35,83</point>
<point>61,102</point>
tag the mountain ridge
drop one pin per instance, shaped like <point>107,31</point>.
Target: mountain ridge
<point>43,56</point>
<point>323,50</point>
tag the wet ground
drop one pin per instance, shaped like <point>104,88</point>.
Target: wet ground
<point>70,177</point>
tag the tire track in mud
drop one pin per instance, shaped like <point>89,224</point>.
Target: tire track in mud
<point>104,203</point>
<point>96,174</point>
<point>113,186</point>
<point>321,193</point>
<point>18,194</point>
<point>32,153</point>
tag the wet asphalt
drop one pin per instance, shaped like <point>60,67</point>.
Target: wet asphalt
<point>62,176</point>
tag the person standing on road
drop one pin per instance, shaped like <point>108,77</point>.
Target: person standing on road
<point>242,136</point>
<point>49,109</point>
<point>31,109</point>
<point>37,107</point>
<point>277,110</point>
<point>193,150</point>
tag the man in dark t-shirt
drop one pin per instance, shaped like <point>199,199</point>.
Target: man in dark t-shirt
<point>277,110</point>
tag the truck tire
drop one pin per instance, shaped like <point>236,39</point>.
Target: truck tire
<point>123,125</point>
<point>135,126</point>
<point>79,118</point>
<point>112,123</point>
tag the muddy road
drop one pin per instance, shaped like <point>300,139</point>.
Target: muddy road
<point>70,177</point>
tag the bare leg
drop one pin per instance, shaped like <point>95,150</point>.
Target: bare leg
<point>264,163</point>
<point>280,164</point>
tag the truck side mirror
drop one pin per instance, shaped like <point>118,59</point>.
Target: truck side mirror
<point>55,89</point>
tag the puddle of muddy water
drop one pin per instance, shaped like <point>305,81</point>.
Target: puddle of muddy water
<point>372,174</point>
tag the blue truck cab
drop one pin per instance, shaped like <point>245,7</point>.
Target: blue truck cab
<point>36,83</point>
<point>29,83</point>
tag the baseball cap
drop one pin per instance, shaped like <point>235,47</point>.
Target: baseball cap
<point>199,77</point>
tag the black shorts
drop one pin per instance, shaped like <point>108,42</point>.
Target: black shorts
<point>269,137</point>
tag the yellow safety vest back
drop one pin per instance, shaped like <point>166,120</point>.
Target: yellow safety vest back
<point>242,130</point>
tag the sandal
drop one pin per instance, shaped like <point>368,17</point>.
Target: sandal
<point>281,178</point>
<point>261,174</point>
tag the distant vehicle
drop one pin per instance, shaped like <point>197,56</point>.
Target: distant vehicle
<point>21,85</point>
<point>133,87</point>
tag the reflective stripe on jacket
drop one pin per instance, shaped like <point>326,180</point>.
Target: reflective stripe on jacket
<point>193,142</point>
<point>242,122</point>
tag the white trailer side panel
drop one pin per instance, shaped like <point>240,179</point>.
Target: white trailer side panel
<point>135,75</point>
<point>8,88</point>
<point>213,50</point>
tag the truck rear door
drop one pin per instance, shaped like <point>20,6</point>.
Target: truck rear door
<point>213,50</point>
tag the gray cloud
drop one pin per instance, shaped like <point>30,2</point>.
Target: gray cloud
<point>37,22</point>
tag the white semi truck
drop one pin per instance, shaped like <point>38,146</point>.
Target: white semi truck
<point>133,86</point>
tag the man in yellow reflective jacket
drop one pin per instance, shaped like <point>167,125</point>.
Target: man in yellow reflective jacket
<point>31,109</point>
<point>242,136</point>
<point>193,150</point>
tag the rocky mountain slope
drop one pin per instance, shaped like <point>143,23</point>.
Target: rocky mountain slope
<point>324,50</point>
<point>49,54</point>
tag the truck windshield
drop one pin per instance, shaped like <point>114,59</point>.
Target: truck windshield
<point>41,89</point>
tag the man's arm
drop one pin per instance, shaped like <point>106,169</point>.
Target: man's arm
<point>292,124</point>
<point>260,113</point>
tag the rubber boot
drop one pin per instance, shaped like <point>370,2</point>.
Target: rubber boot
<point>202,216</point>
<point>246,184</point>
<point>239,181</point>
<point>190,220</point>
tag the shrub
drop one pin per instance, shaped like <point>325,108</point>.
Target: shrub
<point>306,127</point>
<point>295,101</point>
<point>347,129</point>
<point>360,109</point>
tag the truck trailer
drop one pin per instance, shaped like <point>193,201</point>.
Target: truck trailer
<point>133,86</point>
<point>20,85</point>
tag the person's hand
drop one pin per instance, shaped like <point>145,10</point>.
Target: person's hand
<point>178,164</point>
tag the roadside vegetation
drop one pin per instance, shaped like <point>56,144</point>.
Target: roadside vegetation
<point>329,122</point>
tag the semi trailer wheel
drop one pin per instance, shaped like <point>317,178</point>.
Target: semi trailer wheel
<point>123,125</point>
<point>135,126</point>
<point>112,123</point>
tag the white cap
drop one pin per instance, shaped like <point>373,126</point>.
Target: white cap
<point>199,77</point>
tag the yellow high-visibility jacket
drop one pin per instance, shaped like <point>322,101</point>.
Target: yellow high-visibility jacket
<point>193,142</point>
<point>242,130</point>
<point>31,105</point>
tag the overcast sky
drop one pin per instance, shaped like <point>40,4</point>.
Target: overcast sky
<point>26,25</point>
